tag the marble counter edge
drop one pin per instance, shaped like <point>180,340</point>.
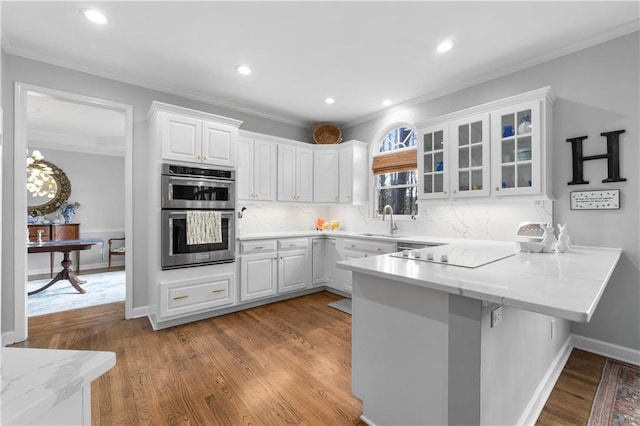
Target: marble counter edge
<point>490,292</point>
<point>349,234</point>
<point>36,380</point>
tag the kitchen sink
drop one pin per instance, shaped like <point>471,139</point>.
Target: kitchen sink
<point>368,234</point>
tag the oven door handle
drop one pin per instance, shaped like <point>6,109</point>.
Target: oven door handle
<point>172,180</point>
<point>182,214</point>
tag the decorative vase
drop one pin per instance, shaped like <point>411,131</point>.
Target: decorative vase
<point>525,125</point>
<point>68,216</point>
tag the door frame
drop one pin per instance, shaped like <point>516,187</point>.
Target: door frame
<point>20,197</point>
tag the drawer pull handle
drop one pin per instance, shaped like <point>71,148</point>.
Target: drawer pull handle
<point>180,297</point>
<point>258,247</point>
<point>218,291</point>
<point>292,245</point>
<point>353,245</point>
<point>379,249</point>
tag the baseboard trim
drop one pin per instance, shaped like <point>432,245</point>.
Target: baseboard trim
<point>545,387</point>
<point>610,350</point>
<point>8,338</point>
<point>139,312</point>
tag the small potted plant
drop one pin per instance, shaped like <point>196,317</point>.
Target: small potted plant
<point>68,209</point>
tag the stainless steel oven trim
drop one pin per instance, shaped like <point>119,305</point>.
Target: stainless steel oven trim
<point>170,261</point>
<point>168,203</point>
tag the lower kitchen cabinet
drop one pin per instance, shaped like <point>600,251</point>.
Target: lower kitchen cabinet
<point>180,298</point>
<point>318,261</point>
<point>356,249</point>
<point>270,267</point>
<point>333,275</point>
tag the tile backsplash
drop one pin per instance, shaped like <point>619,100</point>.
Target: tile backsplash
<point>490,220</point>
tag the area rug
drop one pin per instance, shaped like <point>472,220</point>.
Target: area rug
<point>106,287</point>
<point>617,400</point>
<point>343,305</point>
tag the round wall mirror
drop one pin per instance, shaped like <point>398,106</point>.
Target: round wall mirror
<point>40,205</point>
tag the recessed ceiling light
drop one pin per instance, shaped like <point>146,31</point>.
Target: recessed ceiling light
<point>329,101</point>
<point>386,102</point>
<point>243,69</point>
<point>445,46</point>
<point>94,16</point>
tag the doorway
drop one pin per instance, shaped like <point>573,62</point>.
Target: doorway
<point>84,137</point>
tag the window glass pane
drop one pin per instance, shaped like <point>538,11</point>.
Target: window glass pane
<point>400,137</point>
<point>463,135</point>
<point>398,178</point>
<point>402,200</point>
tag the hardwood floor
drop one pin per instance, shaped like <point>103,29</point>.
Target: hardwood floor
<point>571,399</point>
<point>287,362</point>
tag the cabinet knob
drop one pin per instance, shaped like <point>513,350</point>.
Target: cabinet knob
<point>455,191</point>
<point>336,198</point>
<point>275,258</point>
<point>379,249</point>
<point>204,158</point>
<point>444,192</point>
<point>497,188</point>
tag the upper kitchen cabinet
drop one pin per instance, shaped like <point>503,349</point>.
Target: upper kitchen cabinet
<point>194,136</point>
<point>470,156</point>
<point>521,136</point>
<point>340,173</point>
<point>497,149</point>
<point>433,162</point>
<point>353,173</point>
<point>256,170</point>
<point>295,177</point>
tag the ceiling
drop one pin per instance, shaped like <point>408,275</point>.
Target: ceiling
<point>358,52</point>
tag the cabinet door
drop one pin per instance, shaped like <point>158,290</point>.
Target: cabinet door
<point>470,170</point>
<point>433,163</point>
<point>258,276</point>
<point>286,173</point>
<point>245,172</point>
<point>347,276</point>
<point>293,271</point>
<point>318,261</point>
<point>346,175</point>
<point>516,158</point>
<point>181,138</point>
<point>325,179</point>
<point>218,144</point>
<point>304,175</point>
<point>265,173</point>
<point>65,231</point>
<point>332,255</point>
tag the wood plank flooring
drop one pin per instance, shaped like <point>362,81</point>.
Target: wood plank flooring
<point>287,362</point>
<point>572,396</point>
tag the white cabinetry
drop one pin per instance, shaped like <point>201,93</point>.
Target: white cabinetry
<point>501,148</point>
<point>332,255</point>
<point>258,269</point>
<point>194,136</point>
<point>256,174</point>
<point>356,249</point>
<point>353,173</point>
<point>340,173</point>
<point>295,176</point>
<point>318,261</point>
<point>294,266</point>
<point>270,267</point>
<point>180,298</point>
<point>326,176</point>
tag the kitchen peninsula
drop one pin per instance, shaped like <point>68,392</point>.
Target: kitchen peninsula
<point>441,344</point>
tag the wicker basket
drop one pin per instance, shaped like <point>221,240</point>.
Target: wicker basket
<point>326,134</point>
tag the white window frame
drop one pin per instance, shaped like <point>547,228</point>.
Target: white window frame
<point>375,152</point>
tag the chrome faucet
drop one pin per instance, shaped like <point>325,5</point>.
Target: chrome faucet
<point>392,226</point>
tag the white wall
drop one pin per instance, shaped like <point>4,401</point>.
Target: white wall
<point>97,183</point>
<point>597,90</point>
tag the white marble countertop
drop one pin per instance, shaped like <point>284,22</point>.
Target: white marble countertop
<point>347,234</point>
<point>35,380</point>
<point>564,285</point>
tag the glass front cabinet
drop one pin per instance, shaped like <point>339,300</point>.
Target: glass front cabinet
<point>498,149</point>
<point>433,162</point>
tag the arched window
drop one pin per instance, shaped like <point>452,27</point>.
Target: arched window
<point>395,172</point>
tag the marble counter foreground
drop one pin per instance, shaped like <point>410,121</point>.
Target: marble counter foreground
<point>36,380</point>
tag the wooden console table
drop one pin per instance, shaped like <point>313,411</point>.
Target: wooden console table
<point>65,247</point>
<point>51,232</point>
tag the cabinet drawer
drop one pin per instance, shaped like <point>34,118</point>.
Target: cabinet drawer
<point>293,244</point>
<point>257,246</point>
<point>186,297</point>
<point>33,232</point>
<point>369,246</point>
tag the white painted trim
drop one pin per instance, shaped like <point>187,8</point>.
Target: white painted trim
<point>8,338</point>
<point>20,202</point>
<point>140,311</point>
<point>545,387</point>
<point>157,106</point>
<point>610,350</point>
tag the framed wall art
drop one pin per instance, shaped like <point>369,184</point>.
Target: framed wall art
<point>595,200</point>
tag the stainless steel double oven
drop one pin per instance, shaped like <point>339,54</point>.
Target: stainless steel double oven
<point>186,189</point>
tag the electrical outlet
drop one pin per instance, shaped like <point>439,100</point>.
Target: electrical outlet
<point>496,316</point>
